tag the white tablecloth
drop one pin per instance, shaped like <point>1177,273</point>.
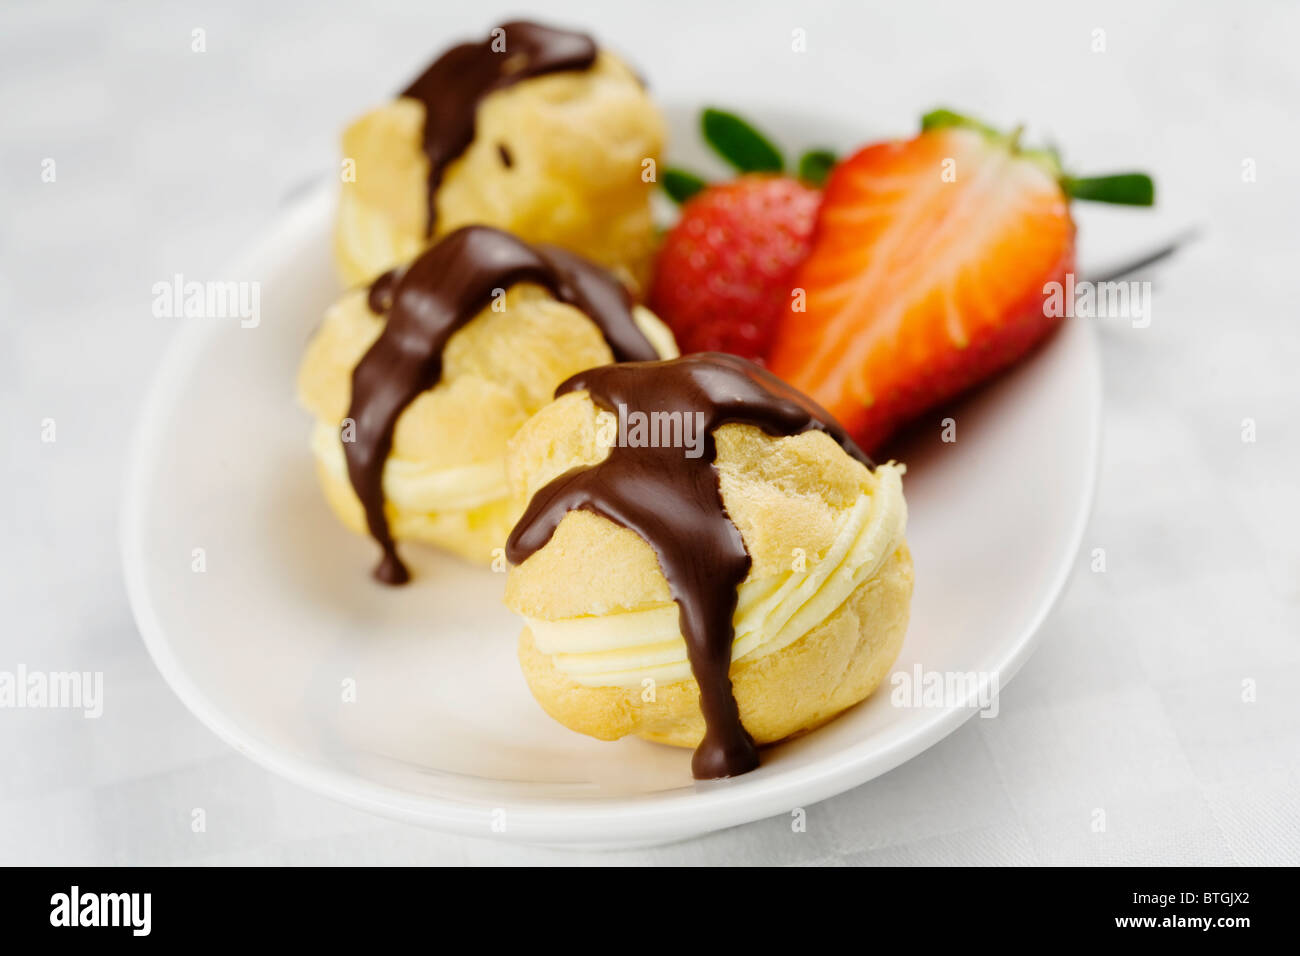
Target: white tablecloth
<point>167,160</point>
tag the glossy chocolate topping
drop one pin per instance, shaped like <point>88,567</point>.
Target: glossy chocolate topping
<point>453,85</point>
<point>438,293</point>
<point>674,503</point>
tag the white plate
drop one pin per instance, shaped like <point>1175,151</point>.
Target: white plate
<point>444,732</point>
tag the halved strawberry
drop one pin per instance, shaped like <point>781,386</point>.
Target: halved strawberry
<point>926,273</point>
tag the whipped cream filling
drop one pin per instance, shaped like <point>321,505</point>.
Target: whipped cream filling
<point>417,486</point>
<point>624,649</point>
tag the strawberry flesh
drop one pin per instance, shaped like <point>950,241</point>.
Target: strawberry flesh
<point>926,276</point>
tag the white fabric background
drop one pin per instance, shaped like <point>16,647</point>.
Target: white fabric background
<point>168,161</point>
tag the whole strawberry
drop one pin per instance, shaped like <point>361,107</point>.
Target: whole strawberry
<point>723,279</point>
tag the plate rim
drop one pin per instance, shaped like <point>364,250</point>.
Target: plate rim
<point>689,812</point>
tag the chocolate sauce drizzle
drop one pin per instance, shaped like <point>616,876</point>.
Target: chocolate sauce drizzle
<point>453,85</point>
<point>439,292</point>
<point>674,503</point>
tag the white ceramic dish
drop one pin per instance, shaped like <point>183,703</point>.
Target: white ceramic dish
<point>443,731</point>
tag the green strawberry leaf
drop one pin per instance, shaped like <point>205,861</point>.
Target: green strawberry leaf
<point>1127,189</point>
<point>815,165</point>
<point>739,143</point>
<point>946,119</point>
<point>681,185</point>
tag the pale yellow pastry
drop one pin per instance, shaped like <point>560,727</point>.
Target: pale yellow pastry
<point>820,617</point>
<point>444,481</point>
<point>565,157</point>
